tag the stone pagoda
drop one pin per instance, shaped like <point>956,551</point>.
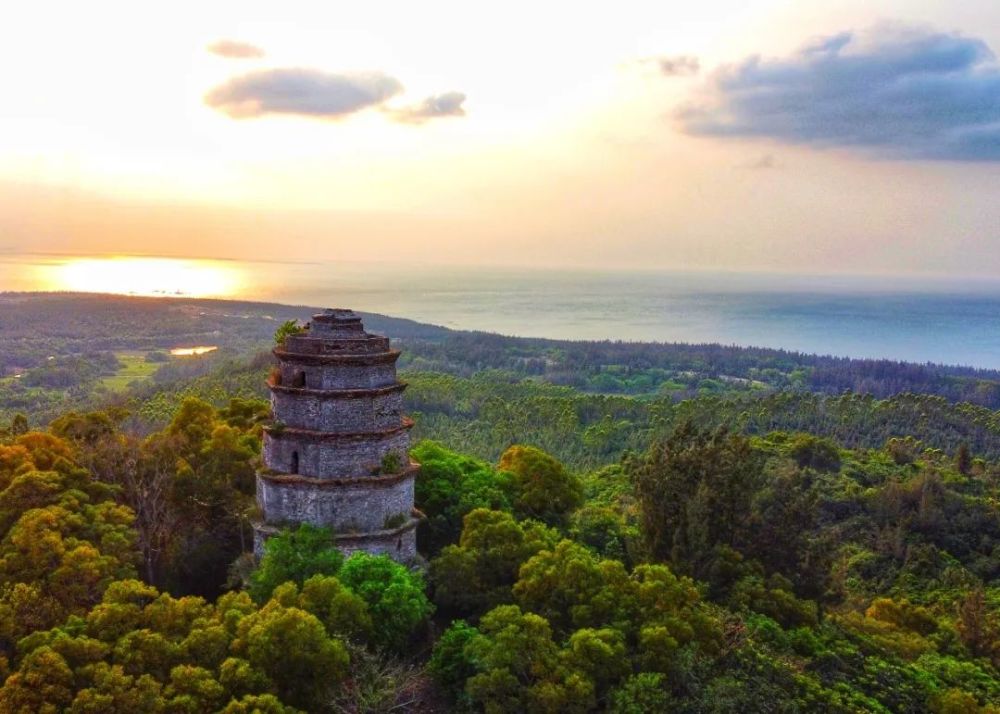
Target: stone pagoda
<point>337,453</point>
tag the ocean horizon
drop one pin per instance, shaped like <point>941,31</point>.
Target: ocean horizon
<point>915,319</point>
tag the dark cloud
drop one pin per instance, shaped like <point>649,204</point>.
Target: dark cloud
<point>900,93</point>
<point>234,49</point>
<point>677,65</point>
<point>669,65</point>
<point>448,104</point>
<point>306,92</point>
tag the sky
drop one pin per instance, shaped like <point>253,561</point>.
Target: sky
<point>840,136</point>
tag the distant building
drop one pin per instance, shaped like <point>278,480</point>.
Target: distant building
<point>337,453</point>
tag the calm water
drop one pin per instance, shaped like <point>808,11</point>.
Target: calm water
<point>916,320</point>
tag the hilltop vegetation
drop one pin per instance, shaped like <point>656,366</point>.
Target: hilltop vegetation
<point>485,413</point>
<point>710,572</point>
<point>702,538</point>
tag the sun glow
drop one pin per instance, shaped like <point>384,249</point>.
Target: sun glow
<point>144,276</point>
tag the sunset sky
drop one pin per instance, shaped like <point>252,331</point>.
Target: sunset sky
<point>840,136</point>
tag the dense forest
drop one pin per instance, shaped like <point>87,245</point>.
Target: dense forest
<point>687,370</point>
<point>714,539</point>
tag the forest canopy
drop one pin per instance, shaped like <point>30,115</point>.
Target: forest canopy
<point>635,543</point>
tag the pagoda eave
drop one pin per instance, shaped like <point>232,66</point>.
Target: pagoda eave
<point>271,529</point>
<point>297,434</point>
<point>381,480</point>
<point>396,542</point>
<point>352,393</point>
<point>364,360</point>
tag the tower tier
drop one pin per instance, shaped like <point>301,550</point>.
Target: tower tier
<point>347,506</point>
<point>399,543</point>
<point>313,343</point>
<point>331,455</point>
<point>342,371</point>
<point>339,410</point>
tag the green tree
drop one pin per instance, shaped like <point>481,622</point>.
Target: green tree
<point>63,540</point>
<point>142,650</point>
<point>478,573</point>
<point>813,452</point>
<point>571,588</point>
<point>773,598</point>
<point>541,487</point>
<point>599,654</point>
<point>341,611</point>
<point>43,683</point>
<point>85,429</point>
<point>116,692</point>
<point>979,625</point>
<point>520,667</point>
<point>449,486</point>
<point>19,425</point>
<point>641,693</point>
<point>293,650</point>
<point>784,534</point>
<point>451,662</point>
<point>605,530</point>
<point>294,556</point>
<point>190,485</point>
<point>394,595</point>
<point>963,459</point>
<point>258,704</point>
<point>695,490</point>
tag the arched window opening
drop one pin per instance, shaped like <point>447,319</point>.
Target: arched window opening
<point>399,544</point>
<point>294,469</point>
<point>299,378</point>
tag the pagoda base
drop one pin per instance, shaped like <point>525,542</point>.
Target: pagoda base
<point>399,543</point>
<point>345,505</point>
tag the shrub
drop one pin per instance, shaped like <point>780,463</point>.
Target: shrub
<point>294,556</point>
<point>392,463</point>
<point>814,452</point>
<point>395,596</point>
<point>394,521</point>
<point>287,329</point>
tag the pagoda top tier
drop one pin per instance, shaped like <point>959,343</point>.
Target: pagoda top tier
<point>336,322</point>
<point>334,331</point>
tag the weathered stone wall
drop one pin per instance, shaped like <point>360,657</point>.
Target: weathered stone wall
<point>368,505</point>
<point>311,409</point>
<point>398,543</point>
<point>322,328</point>
<point>344,376</point>
<point>332,458</point>
<point>317,343</point>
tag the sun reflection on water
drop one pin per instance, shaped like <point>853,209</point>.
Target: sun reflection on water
<point>125,275</point>
<point>192,351</point>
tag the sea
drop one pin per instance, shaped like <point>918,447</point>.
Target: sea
<point>917,319</point>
